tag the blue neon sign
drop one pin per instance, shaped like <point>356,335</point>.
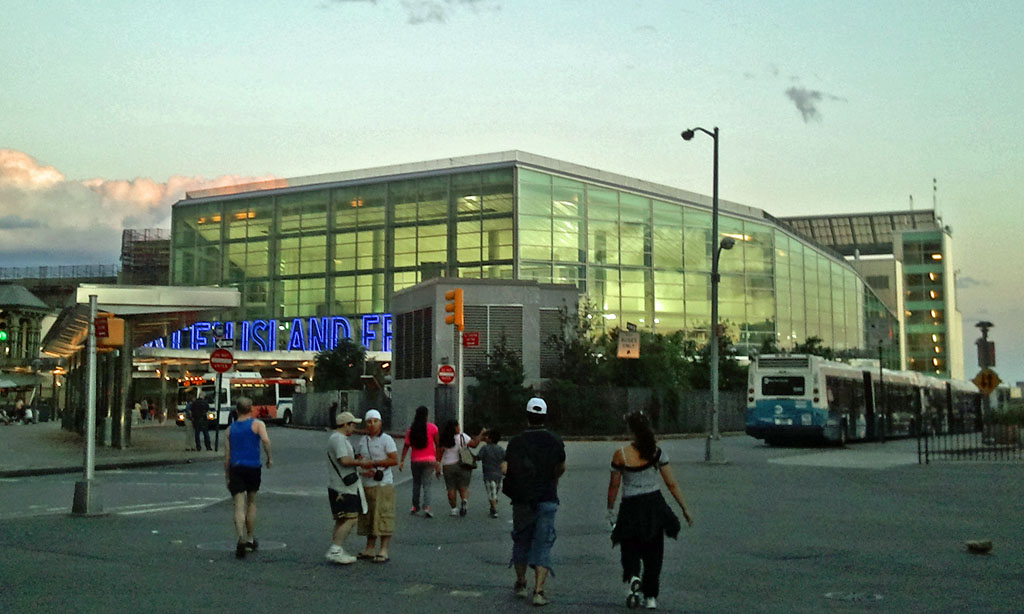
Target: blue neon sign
<point>298,335</point>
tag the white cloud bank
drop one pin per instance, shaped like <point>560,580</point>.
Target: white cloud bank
<point>47,219</point>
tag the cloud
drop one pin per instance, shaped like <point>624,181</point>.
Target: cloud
<point>807,101</point>
<point>419,12</point>
<point>47,219</point>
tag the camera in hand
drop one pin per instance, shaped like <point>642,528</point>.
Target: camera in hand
<point>378,475</point>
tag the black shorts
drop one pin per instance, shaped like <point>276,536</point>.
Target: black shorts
<point>244,479</point>
<point>344,506</point>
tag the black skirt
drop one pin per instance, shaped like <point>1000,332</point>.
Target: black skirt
<point>645,518</point>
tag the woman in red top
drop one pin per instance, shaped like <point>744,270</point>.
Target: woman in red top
<point>421,437</point>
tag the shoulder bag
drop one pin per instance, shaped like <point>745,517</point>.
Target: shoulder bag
<point>347,480</point>
<point>466,458</point>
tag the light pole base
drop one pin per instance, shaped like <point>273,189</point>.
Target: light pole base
<point>87,499</point>
<point>713,452</point>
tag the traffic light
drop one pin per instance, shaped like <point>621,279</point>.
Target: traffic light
<point>454,309</point>
<point>3,328</point>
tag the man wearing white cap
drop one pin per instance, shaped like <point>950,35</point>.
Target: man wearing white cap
<point>381,453</point>
<point>534,461</point>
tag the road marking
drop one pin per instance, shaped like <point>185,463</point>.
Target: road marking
<point>417,589</point>
<point>466,594</point>
<point>849,459</point>
<point>169,508</point>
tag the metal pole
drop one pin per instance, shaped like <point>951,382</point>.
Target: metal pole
<point>90,394</point>
<point>216,424</point>
<point>87,498</point>
<point>461,387</point>
<point>713,450</point>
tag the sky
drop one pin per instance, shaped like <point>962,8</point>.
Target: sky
<point>110,111</point>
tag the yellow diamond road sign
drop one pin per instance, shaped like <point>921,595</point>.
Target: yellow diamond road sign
<point>986,380</point>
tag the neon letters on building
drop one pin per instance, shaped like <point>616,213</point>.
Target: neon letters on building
<point>297,335</point>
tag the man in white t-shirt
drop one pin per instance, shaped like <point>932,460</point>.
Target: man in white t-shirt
<point>379,449</point>
<point>343,486</point>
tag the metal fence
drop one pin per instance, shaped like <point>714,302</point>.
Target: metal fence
<point>995,442</point>
<point>60,271</point>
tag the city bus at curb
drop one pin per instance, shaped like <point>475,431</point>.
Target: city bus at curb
<point>798,397</point>
<point>272,397</point>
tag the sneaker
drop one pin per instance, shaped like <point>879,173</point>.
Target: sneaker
<point>651,603</point>
<point>426,513</point>
<point>494,513</point>
<point>464,508</point>
<point>633,593</point>
<point>539,598</point>
<point>240,550</point>
<point>253,545</point>
<point>413,510</point>
<point>520,590</point>
<point>340,557</point>
<point>454,512</point>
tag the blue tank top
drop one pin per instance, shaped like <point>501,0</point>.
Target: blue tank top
<point>245,445</point>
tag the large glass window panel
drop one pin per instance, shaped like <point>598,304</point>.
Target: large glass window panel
<point>288,256</point>
<point>303,211</point>
<point>313,254</point>
<point>432,243</point>
<point>405,246</point>
<point>249,218</point>
<point>603,244</point>
<point>497,239</point>
<point>603,286</point>
<point>668,292</point>
<point>184,266</point>
<point>566,197</point>
<point>697,248</point>
<point>371,249</point>
<point>403,196</point>
<point>469,241</point>
<point>499,271</point>
<point>632,244</point>
<point>539,271</point>
<point>405,279</point>
<point>534,237</point>
<point>602,204</point>
<point>534,193</point>
<point>565,241</point>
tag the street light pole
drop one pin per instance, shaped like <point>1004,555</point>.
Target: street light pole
<point>713,449</point>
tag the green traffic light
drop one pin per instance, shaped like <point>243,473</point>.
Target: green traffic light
<point>3,335</point>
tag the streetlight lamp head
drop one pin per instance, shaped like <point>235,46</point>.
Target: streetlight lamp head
<point>687,135</point>
<point>728,242</point>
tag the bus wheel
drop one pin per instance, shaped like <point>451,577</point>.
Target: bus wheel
<point>287,416</point>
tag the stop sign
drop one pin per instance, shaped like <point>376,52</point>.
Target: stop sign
<point>221,360</point>
<point>445,374</point>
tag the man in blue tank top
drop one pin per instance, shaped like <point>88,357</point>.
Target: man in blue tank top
<point>243,470</point>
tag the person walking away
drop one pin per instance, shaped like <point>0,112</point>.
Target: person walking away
<point>456,477</point>
<point>491,456</point>
<point>534,461</point>
<point>421,438</point>
<point>343,486</point>
<point>332,413</point>
<point>379,451</point>
<point>199,409</point>
<point>644,517</point>
<point>243,470</point>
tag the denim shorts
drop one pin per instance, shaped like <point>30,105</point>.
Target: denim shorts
<point>533,533</point>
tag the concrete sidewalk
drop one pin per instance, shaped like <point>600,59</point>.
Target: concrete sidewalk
<point>44,448</point>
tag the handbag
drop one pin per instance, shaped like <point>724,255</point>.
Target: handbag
<point>466,458</point>
<point>347,480</point>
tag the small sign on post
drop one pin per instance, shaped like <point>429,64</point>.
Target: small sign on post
<point>221,360</point>
<point>445,374</point>
<point>470,340</point>
<point>629,344</point>
<point>986,380</point>
<point>102,327</point>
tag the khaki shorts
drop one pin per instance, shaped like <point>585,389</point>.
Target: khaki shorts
<point>379,518</point>
<point>456,476</point>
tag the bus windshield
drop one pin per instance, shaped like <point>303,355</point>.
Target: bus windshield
<point>782,386</point>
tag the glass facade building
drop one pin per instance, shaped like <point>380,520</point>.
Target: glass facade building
<point>641,252</point>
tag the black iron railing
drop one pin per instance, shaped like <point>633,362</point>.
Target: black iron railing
<point>995,442</point>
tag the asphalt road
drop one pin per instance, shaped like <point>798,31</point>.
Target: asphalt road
<point>863,529</point>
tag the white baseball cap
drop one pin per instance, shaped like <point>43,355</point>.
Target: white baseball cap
<point>536,405</point>
<point>372,414</point>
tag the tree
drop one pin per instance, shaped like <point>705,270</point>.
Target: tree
<point>340,368</point>
<point>814,345</point>
<point>498,397</point>
<point>581,350</point>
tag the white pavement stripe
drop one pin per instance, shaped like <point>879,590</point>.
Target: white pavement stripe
<point>849,459</point>
<point>160,509</point>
